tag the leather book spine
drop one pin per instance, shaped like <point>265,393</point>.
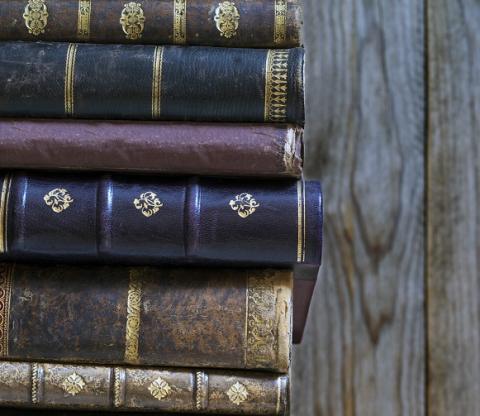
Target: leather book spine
<point>150,220</point>
<point>69,386</point>
<point>156,147</point>
<point>166,317</point>
<point>147,82</point>
<point>242,23</point>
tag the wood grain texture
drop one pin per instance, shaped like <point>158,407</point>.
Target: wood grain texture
<point>453,201</point>
<point>364,350</point>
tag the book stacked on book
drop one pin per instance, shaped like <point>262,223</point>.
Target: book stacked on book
<point>158,244</point>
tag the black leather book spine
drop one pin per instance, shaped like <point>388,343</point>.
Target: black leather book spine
<point>151,82</point>
<point>155,220</point>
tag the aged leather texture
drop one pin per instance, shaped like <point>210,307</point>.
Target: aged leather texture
<point>257,25</point>
<point>225,149</point>
<point>144,82</point>
<point>211,318</point>
<point>96,388</point>
<point>148,220</point>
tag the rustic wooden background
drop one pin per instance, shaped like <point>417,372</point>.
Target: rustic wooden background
<point>393,131</point>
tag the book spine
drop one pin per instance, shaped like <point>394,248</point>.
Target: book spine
<point>152,220</point>
<point>66,386</point>
<point>242,23</point>
<point>157,147</point>
<point>151,82</point>
<point>146,316</point>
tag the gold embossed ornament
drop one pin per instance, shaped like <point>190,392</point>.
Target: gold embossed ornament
<point>132,20</point>
<point>36,16</point>
<point>245,205</point>
<point>237,393</point>
<point>148,203</point>
<point>159,389</point>
<point>73,384</point>
<point>58,199</point>
<point>227,19</point>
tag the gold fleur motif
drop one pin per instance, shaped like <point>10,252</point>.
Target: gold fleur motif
<point>132,20</point>
<point>227,19</point>
<point>36,16</point>
<point>148,203</point>
<point>58,199</point>
<point>237,393</point>
<point>159,389</point>
<point>73,384</point>
<point>244,204</point>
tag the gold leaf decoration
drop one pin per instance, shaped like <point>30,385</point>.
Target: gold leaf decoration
<point>73,384</point>
<point>148,203</point>
<point>237,393</point>
<point>244,204</point>
<point>227,19</point>
<point>36,16</point>
<point>160,389</point>
<point>132,20</point>
<point>58,199</point>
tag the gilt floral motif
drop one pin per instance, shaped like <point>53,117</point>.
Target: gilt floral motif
<point>58,199</point>
<point>237,393</point>
<point>148,204</point>
<point>132,20</point>
<point>227,19</point>
<point>73,384</point>
<point>160,389</point>
<point>36,16</point>
<point>244,204</point>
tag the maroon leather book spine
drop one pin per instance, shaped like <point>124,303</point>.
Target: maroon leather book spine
<point>155,147</point>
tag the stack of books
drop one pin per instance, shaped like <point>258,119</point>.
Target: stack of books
<point>159,246</point>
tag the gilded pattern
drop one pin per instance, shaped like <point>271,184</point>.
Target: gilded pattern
<point>276,86</point>
<point>73,384</point>
<point>148,204</point>
<point>6,276</point>
<point>280,25</point>
<point>244,204</point>
<point>83,25</point>
<point>200,390</point>
<point>132,20</point>
<point>160,389</point>
<point>117,387</point>
<point>157,82</point>
<point>237,393</point>
<point>262,342</point>
<point>58,200</point>
<point>35,383</point>
<point>36,16</point>
<point>70,78</point>
<point>180,21</point>
<point>5,191</point>
<point>134,300</point>
<point>301,221</point>
<point>227,19</point>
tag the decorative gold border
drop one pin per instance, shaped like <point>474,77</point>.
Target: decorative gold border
<point>301,221</point>
<point>157,82</point>
<point>200,392</point>
<point>6,276</point>
<point>280,25</point>
<point>35,383</point>
<point>70,78</point>
<point>276,86</point>
<point>83,25</point>
<point>179,22</point>
<point>134,300</point>
<point>3,212</point>
<point>117,386</point>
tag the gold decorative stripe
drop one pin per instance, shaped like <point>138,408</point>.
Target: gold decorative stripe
<point>276,85</point>
<point>70,78</point>
<point>83,25</point>
<point>279,392</point>
<point>301,222</point>
<point>280,25</point>
<point>157,82</point>
<point>117,386</point>
<point>3,212</point>
<point>200,391</point>
<point>134,300</point>
<point>180,21</point>
<point>35,382</point>
<point>6,275</point>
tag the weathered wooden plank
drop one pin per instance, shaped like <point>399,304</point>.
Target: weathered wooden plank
<point>453,208</point>
<point>364,350</point>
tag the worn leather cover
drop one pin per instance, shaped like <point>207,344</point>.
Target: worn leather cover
<point>151,82</point>
<point>245,23</point>
<point>164,147</point>
<point>155,220</point>
<point>68,386</point>
<point>212,318</point>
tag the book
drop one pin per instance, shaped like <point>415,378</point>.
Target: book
<point>67,386</point>
<point>167,317</point>
<point>225,149</point>
<point>148,220</point>
<point>239,23</point>
<point>146,82</point>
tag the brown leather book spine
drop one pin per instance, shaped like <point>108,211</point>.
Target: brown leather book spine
<point>192,317</point>
<point>66,386</point>
<point>239,23</point>
<point>155,147</point>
